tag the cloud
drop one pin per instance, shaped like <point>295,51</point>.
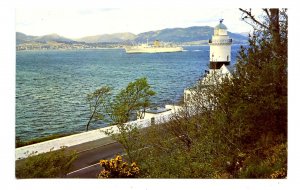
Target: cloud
<point>206,20</point>
<point>75,23</point>
<point>95,11</point>
<point>84,12</point>
<point>108,9</point>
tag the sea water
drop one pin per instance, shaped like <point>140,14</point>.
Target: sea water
<point>51,86</point>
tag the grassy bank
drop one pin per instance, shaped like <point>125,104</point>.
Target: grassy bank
<point>20,143</point>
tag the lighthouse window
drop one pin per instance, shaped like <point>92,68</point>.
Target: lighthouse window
<point>152,121</point>
<point>227,58</point>
<point>188,97</point>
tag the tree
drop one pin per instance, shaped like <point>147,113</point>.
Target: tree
<point>97,102</point>
<point>132,100</point>
<point>135,98</point>
<point>263,68</point>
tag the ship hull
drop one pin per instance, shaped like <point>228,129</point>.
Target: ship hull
<point>153,49</point>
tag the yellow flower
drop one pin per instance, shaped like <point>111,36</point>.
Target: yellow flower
<point>119,158</point>
<point>103,162</point>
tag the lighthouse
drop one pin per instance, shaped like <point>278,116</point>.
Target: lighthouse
<point>220,47</point>
<point>219,58</point>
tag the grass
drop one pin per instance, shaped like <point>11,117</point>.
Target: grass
<point>20,143</point>
<point>53,164</point>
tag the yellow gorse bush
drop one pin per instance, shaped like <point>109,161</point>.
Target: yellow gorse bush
<point>116,168</point>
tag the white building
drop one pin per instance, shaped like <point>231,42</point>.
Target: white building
<point>219,57</point>
<point>220,47</point>
<point>159,115</point>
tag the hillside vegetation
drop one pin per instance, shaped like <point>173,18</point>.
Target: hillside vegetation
<point>242,133</point>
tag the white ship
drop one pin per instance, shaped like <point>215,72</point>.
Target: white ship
<point>155,48</point>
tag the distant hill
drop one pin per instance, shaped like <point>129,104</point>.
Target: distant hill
<point>177,34</point>
<point>23,38</point>
<point>246,34</point>
<point>108,38</point>
<point>190,35</point>
<point>52,37</point>
<point>180,35</point>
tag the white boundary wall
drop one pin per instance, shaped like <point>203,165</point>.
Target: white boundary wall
<point>76,139</point>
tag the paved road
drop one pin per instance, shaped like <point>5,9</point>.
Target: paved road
<point>87,164</point>
<point>89,155</point>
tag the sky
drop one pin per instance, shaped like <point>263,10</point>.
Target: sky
<point>76,23</point>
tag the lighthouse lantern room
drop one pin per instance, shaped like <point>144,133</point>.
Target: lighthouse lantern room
<point>220,47</point>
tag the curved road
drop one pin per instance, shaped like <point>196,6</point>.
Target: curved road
<point>89,155</point>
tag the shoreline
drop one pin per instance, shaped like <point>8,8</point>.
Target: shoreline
<point>109,48</point>
<point>84,137</point>
<point>21,143</point>
<point>69,49</point>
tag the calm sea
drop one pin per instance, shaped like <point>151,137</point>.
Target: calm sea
<point>51,86</point>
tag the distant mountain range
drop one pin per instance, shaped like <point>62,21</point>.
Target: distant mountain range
<point>23,38</point>
<point>108,38</point>
<point>246,34</point>
<point>180,35</point>
<point>174,35</point>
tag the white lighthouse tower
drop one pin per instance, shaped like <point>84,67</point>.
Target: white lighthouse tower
<point>220,47</point>
<point>219,58</point>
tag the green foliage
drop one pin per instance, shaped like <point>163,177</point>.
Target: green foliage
<point>98,101</point>
<point>261,79</point>
<point>53,164</point>
<point>266,163</point>
<point>236,128</point>
<point>129,137</point>
<point>135,97</point>
<point>230,131</point>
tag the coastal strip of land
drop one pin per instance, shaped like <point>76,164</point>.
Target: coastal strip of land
<point>89,136</point>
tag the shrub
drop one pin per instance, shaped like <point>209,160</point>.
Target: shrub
<point>117,168</point>
<point>53,164</point>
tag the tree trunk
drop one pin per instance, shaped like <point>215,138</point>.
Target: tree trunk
<point>275,30</point>
<point>88,124</point>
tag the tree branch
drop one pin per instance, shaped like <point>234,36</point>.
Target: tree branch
<point>268,14</point>
<point>248,13</point>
